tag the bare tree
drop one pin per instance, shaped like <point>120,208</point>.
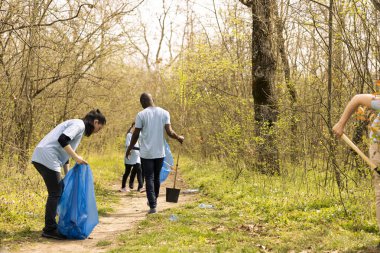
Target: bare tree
<point>281,45</point>
<point>48,57</point>
<point>141,41</point>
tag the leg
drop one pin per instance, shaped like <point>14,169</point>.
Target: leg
<point>157,170</point>
<point>148,167</point>
<point>137,166</point>
<point>126,174</point>
<point>132,177</point>
<point>53,184</point>
<point>142,175</point>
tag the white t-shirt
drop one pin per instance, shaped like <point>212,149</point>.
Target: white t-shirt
<point>135,154</point>
<point>152,121</point>
<point>50,153</point>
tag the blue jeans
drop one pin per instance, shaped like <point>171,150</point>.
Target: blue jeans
<point>152,169</point>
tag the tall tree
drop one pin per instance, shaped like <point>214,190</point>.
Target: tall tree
<point>263,73</point>
<point>281,47</point>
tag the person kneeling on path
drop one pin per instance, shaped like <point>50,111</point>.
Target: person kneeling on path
<point>151,122</point>
<point>53,152</point>
<point>373,102</point>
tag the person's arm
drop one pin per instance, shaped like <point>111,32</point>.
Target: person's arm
<point>78,159</point>
<point>135,137</point>
<point>66,167</point>
<point>172,134</point>
<point>64,141</point>
<point>355,102</point>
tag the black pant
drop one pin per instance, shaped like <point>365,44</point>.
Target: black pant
<point>54,186</point>
<point>136,170</point>
<point>152,169</point>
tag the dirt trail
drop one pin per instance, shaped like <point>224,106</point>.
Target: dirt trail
<point>131,209</point>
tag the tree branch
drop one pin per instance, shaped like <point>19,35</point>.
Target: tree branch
<point>47,24</point>
<point>321,4</point>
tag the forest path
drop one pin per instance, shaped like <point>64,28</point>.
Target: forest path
<point>128,212</point>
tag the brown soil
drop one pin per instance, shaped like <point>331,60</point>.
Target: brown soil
<point>131,209</point>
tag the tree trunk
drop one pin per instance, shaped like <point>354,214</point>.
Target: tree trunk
<point>289,85</point>
<point>376,3</point>
<point>332,150</point>
<point>263,72</point>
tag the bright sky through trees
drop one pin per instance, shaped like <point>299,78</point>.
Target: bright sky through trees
<point>151,12</point>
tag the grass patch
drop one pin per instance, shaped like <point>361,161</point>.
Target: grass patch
<point>103,243</point>
<point>259,213</point>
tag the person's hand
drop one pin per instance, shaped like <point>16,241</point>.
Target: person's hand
<point>128,153</point>
<point>338,130</point>
<point>180,139</point>
<point>80,160</point>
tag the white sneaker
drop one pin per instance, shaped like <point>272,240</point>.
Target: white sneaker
<point>123,190</point>
<point>142,190</point>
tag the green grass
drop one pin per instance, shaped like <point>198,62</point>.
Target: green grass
<point>103,243</point>
<point>259,213</point>
<point>256,213</point>
<point>23,197</point>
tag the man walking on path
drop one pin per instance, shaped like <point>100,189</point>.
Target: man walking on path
<point>151,122</point>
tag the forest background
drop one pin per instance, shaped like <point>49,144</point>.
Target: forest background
<point>255,86</point>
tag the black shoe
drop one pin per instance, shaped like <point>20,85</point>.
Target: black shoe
<point>54,234</point>
<point>152,211</point>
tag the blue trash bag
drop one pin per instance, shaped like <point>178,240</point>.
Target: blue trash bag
<point>78,214</point>
<point>168,163</point>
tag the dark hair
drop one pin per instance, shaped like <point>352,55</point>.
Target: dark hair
<point>89,121</point>
<point>146,100</point>
<point>132,125</point>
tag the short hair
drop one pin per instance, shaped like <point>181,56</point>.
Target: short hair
<point>146,100</point>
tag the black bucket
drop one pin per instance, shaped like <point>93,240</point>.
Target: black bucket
<point>172,195</point>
